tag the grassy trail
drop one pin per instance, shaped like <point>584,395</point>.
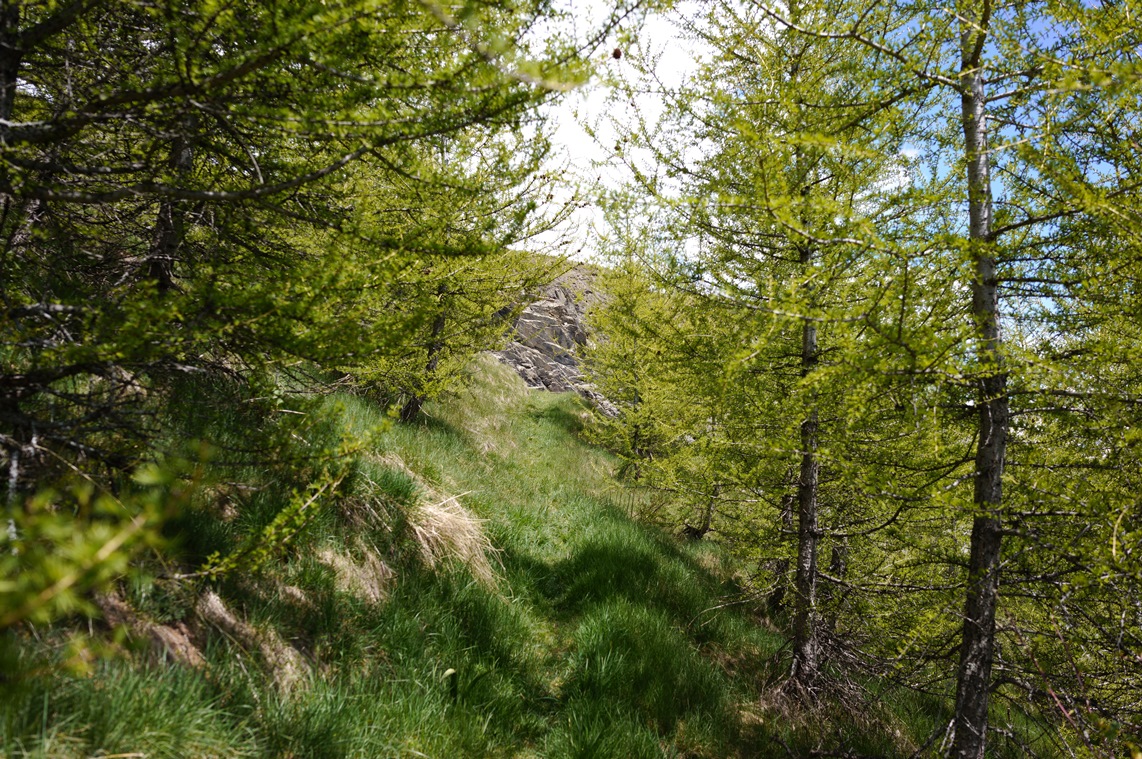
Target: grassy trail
<point>582,634</point>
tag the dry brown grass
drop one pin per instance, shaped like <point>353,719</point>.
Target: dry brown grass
<point>166,641</point>
<point>447,530</point>
<point>443,529</point>
<point>286,665</point>
<point>368,578</point>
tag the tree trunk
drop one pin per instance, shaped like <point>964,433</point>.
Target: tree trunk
<point>805,645</point>
<point>170,226</point>
<point>10,58</point>
<point>832,595</point>
<point>11,415</point>
<point>699,532</point>
<point>805,650</point>
<point>781,566</point>
<point>977,652</point>
<point>412,406</point>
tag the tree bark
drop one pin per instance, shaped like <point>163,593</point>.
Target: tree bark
<point>805,644</point>
<point>805,648</point>
<point>781,566</point>
<point>11,54</point>
<point>699,532</point>
<point>977,652</point>
<point>412,406</point>
<point>832,595</point>
<point>170,224</point>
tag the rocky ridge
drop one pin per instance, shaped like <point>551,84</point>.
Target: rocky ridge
<point>549,333</point>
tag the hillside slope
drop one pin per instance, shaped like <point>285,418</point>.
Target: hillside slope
<point>396,624</point>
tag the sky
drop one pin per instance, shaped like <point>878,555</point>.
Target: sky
<point>588,162</point>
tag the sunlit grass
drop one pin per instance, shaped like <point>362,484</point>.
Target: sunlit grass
<point>594,636</point>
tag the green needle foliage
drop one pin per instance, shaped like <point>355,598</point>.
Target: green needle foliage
<point>872,326</point>
<point>892,254</point>
<point>173,174</point>
<point>244,190</point>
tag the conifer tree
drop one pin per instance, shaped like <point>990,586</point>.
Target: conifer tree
<point>977,298</point>
<point>171,174</point>
<point>1026,81</point>
<point>777,218</point>
<point>179,196</point>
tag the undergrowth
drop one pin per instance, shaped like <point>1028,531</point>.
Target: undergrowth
<point>475,588</point>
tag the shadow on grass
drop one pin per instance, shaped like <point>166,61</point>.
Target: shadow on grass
<point>566,416</point>
<point>438,427</point>
<point>644,665</point>
<point>615,558</point>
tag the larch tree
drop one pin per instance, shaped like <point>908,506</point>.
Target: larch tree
<point>1021,107</point>
<point>973,307</point>
<point>463,222</point>
<point>175,199</point>
<point>160,163</point>
<point>774,222</point>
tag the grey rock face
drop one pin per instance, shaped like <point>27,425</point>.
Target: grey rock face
<point>553,326</point>
<point>548,334</point>
<point>538,369</point>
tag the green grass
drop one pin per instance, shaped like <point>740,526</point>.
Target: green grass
<point>123,709</point>
<point>600,637</point>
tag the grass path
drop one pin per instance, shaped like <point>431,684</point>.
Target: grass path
<point>598,636</point>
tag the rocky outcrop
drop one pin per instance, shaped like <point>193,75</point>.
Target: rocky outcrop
<point>549,334</point>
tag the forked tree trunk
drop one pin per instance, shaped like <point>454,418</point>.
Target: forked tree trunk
<point>977,652</point>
